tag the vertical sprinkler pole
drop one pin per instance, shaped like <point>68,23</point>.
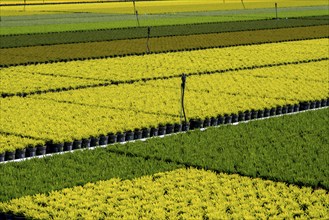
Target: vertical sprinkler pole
<point>182,98</point>
<point>137,18</point>
<point>276,10</point>
<point>134,6</point>
<point>244,7</point>
<point>148,37</point>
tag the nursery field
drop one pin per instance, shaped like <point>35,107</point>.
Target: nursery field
<point>91,118</point>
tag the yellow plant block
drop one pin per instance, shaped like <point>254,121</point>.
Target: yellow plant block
<point>183,193</point>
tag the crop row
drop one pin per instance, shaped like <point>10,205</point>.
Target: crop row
<point>158,65</point>
<point>8,142</point>
<point>289,148</point>
<point>15,56</point>
<point>210,95</point>
<point>74,115</point>
<point>84,20</point>
<point>183,193</point>
<point>23,40</point>
<point>30,147</point>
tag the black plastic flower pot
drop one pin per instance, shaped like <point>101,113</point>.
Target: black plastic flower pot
<point>213,121</point>
<point>296,108</point>
<point>146,132</point>
<point>129,135</point>
<point>323,102</point>
<point>68,146</point>
<point>278,110</point>
<point>235,118</point>
<point>177,127</point>
<point>77,144</point>
<point>162,130</point>
<point>121,137</point>
<point>103,139</point>
<point>185,126</point>
<point>20,153</point>
<point>318,104</point>
<point>55,148</point>
<point>272,111</point>
<point>228,119</point>
<point>260,114</point>
<point>247,115</point>
<point>94,141</point>
<point>85,143</point>
<point>254,114</point>
<point>41,150</point>
<point>284,109</point>
<point>312,104</point>
<point>267,112</point>
<point>290,108</point>
<point>10,155</point>
<point>305,106</point>
<point>241,116</point>
<point>8,216</point>
<point>154,132</point>
<point>31,152</point>
<point>112,138</point>
<point>169,129</point>
<point>2,157</point>
<point>196,123</point>
<point>138,134</point>
<point>221,120</point>
<point>206,123</point>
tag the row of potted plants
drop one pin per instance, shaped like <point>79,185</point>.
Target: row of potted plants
<point>162,129</point>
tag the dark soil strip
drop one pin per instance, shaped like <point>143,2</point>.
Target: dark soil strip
<point>82,51</point>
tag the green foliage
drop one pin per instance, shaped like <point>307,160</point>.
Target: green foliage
<point>72,169</point>
<point>290,148</point>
